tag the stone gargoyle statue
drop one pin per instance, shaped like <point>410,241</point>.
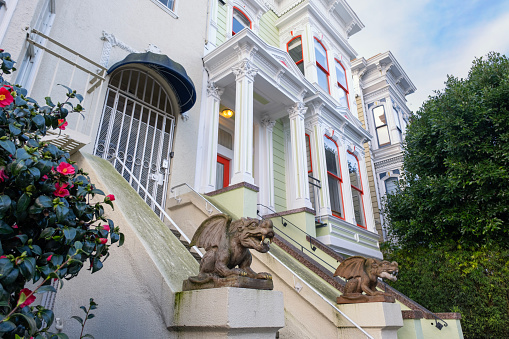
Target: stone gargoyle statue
<point>227,256</point>
<point>362,275</point>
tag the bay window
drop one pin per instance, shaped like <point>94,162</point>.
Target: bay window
<point>382,130</point>
<point>334,177</point>
<point>322,65</point>
<point>357,191</point>
<point>294,48</point>
<point>342,84</point>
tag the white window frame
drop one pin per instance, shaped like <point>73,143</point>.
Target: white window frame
<point>165,8</point>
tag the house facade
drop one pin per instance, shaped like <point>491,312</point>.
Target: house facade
<point>291,143</point>
<point>381,86</point>
<point>250,104</point>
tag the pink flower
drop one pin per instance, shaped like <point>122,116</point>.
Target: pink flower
<point>62,124</point>
<point>106,227</point>
<point>5,97</point>
<point>3,176</point>
<point>111,197</point>
<point>44,177</point>
<point>103,240</point>
<point>65,168</point>
<point>49,258</point>
<point>28,300</point>
<point>15,226</point>
<point>3,256</point>
<point>61,191</point>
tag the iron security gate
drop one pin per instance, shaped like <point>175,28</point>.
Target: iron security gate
<point>136,134</point>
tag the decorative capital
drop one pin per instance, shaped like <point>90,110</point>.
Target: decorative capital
<point>245,69</point>
<point>268,123</point>
<point>213,91</point>
<point>297,110</point>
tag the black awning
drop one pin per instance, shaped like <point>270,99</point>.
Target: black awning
<point>173,72</point>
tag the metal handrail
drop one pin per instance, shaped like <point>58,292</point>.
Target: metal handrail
<point>161,209</point>
<point>321,296</point>
<point>192,189</point>
<point>309,235</point>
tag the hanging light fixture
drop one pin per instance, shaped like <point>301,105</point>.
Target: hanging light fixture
<point>227,113</point>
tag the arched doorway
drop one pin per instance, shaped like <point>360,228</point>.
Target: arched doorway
<point>136,133</point>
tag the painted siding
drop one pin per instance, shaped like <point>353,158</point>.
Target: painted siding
<point>278,140</point>
<point>221,23</point>
<point>268,31</point>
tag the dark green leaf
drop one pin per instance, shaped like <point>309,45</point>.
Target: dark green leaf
<point>7,326</point>
<point>75,317</point>
<point>23,203</point>
<point>8,146</point>
<point>14,130</point>
<point>46,288</point>
<point>5,203</point>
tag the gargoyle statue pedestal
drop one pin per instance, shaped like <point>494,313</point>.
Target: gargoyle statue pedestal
<point>362,276</point>
<point>227,261</point>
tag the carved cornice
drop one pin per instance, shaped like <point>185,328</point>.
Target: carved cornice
<point>213,91</point>
<point>391,161</point>
<point>297,110</point>
<point>245,69</point>
<point>350,27</point>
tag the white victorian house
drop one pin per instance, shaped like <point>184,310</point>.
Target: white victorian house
<point>381,87</point>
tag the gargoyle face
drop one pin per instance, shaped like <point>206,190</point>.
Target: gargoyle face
<point>257,234</point>
<point>388,270</point>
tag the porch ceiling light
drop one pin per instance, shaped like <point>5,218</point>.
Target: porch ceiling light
<point>227,113</point>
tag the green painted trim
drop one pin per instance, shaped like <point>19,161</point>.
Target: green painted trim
<point>268,30</point>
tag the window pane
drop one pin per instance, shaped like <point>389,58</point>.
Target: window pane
<point>335,195</point>
<point>396,118</point>
<point>343,99</point>
<point>383,136</point>
<point>219,175</point>
<point>341,75</point>
<point>391,185</point>
<point>323,80</point>
<point>301,67</point>
<point>357,207</point>
<point>331,157</point>
<point>225,139</point>
<point>295,49</point>
<point>239,21</point>
<point>353,170</point>
<point>379,114</point>
<point>321,55</point>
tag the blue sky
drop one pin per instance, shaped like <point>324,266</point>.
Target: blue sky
<point>432,38</point>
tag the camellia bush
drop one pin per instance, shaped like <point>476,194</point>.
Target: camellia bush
<point>49,227</point>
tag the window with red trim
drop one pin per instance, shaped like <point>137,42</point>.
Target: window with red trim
<point>294,48</point>
<point>357,191</point>
<point>312,183</point>
<point>240,21</point>
<point>342,84</point>
<point>334,177</point>
<point>322,65</point>
<point>222,172</point>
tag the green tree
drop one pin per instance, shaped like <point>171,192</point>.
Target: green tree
<point>448,222</point>
<point>457,163</point>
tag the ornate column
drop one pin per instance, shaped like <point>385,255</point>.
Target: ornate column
<point>266,165</point>
<point>299,170</point>
<point>209,149</point>
<point>317,147</point>
<point>243,144</point>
